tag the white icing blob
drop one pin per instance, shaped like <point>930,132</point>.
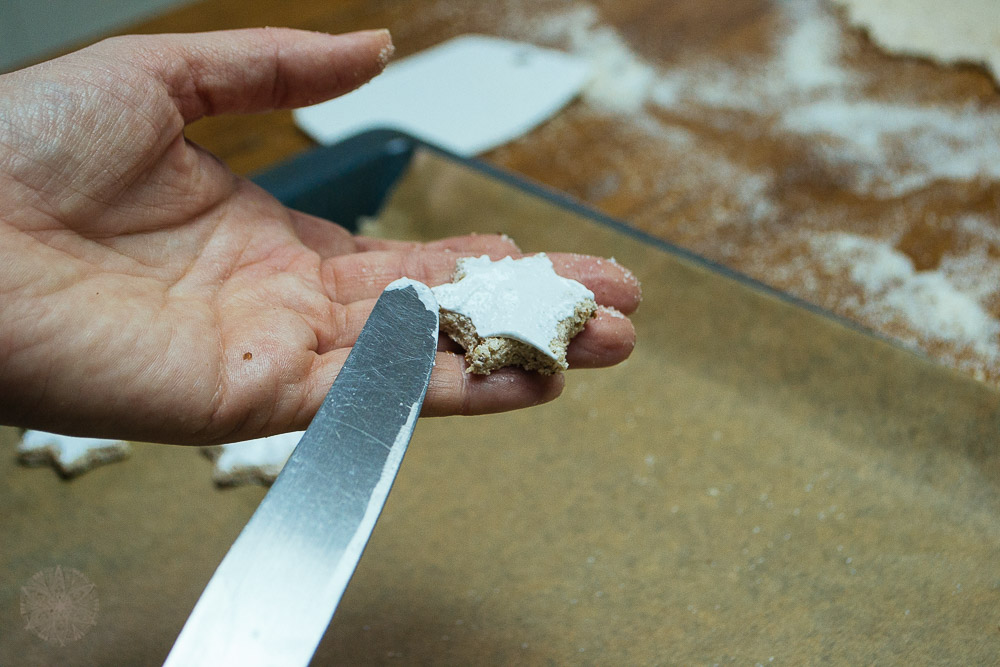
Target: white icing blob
<point>523,299</point>
<point>423,292</point>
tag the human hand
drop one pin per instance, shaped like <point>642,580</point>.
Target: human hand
<point>148,293</point>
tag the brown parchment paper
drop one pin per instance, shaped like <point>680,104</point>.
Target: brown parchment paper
<point>759,483</point>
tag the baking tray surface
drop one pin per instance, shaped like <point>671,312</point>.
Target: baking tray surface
<point>759,483</point>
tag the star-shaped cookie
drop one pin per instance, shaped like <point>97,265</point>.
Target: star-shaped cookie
<point>70,456</point>
<point>513,312</point>
<point>255,461</point>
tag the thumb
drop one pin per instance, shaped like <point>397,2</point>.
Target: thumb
<point>257,69</point>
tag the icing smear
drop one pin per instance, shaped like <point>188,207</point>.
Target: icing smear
<point>523,299</point>
<point>424,293</point>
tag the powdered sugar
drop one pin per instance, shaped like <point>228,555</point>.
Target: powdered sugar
<point>942,305</point>
<point>897,147</point>
<point>803,97</point>
<point>873,264</point>
<point>620,80</point>
<point>809,54</point>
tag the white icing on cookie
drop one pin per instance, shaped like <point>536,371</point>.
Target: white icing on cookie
<point>523,299</point>
<point>258,460</point>
<point>70,455</point>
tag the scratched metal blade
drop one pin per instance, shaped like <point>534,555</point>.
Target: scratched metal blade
<point>273,595</point>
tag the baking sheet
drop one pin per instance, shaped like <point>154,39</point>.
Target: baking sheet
<point>759,483</point>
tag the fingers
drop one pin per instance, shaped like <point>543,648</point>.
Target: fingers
<point>454,392</point>
<point>242,71</point>
<point>325,238</point>
<point>364,275</point>
<point>328,239</point>
<point>481,244</point>
<point>608,339</point>
<point>612,284</point>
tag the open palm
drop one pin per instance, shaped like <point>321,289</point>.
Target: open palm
<point>146,292</point>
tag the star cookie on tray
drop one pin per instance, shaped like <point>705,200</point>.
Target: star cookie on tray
<point>70,456</point>
<point>255,461</point>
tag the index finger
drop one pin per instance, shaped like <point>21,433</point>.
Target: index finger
<point>364,275</point>
<point>256,69</point>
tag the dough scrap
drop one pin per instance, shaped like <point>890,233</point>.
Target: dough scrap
<point>961,31</point>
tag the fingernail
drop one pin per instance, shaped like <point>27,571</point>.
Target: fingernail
<point>385,55</point>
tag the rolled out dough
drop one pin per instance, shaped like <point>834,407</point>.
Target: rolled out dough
<point>960,31</point>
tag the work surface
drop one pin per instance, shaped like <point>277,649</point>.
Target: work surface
<point>757,483</point>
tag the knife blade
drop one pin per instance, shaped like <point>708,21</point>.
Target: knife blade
<point>272,597</point>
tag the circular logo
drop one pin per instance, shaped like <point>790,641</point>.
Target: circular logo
<point>59,605</point>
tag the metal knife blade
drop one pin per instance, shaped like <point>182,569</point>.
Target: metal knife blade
<point>272,597</point>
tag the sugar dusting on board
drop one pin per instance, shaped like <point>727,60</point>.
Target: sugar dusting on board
<point>620,81</point>
<point>938,306</point>
<point>694,135</point>
<point>803,88</point>
<point>744,150</point>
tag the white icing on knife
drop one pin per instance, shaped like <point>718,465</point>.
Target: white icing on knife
<point>424,292</point>
<point>524,299</point>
